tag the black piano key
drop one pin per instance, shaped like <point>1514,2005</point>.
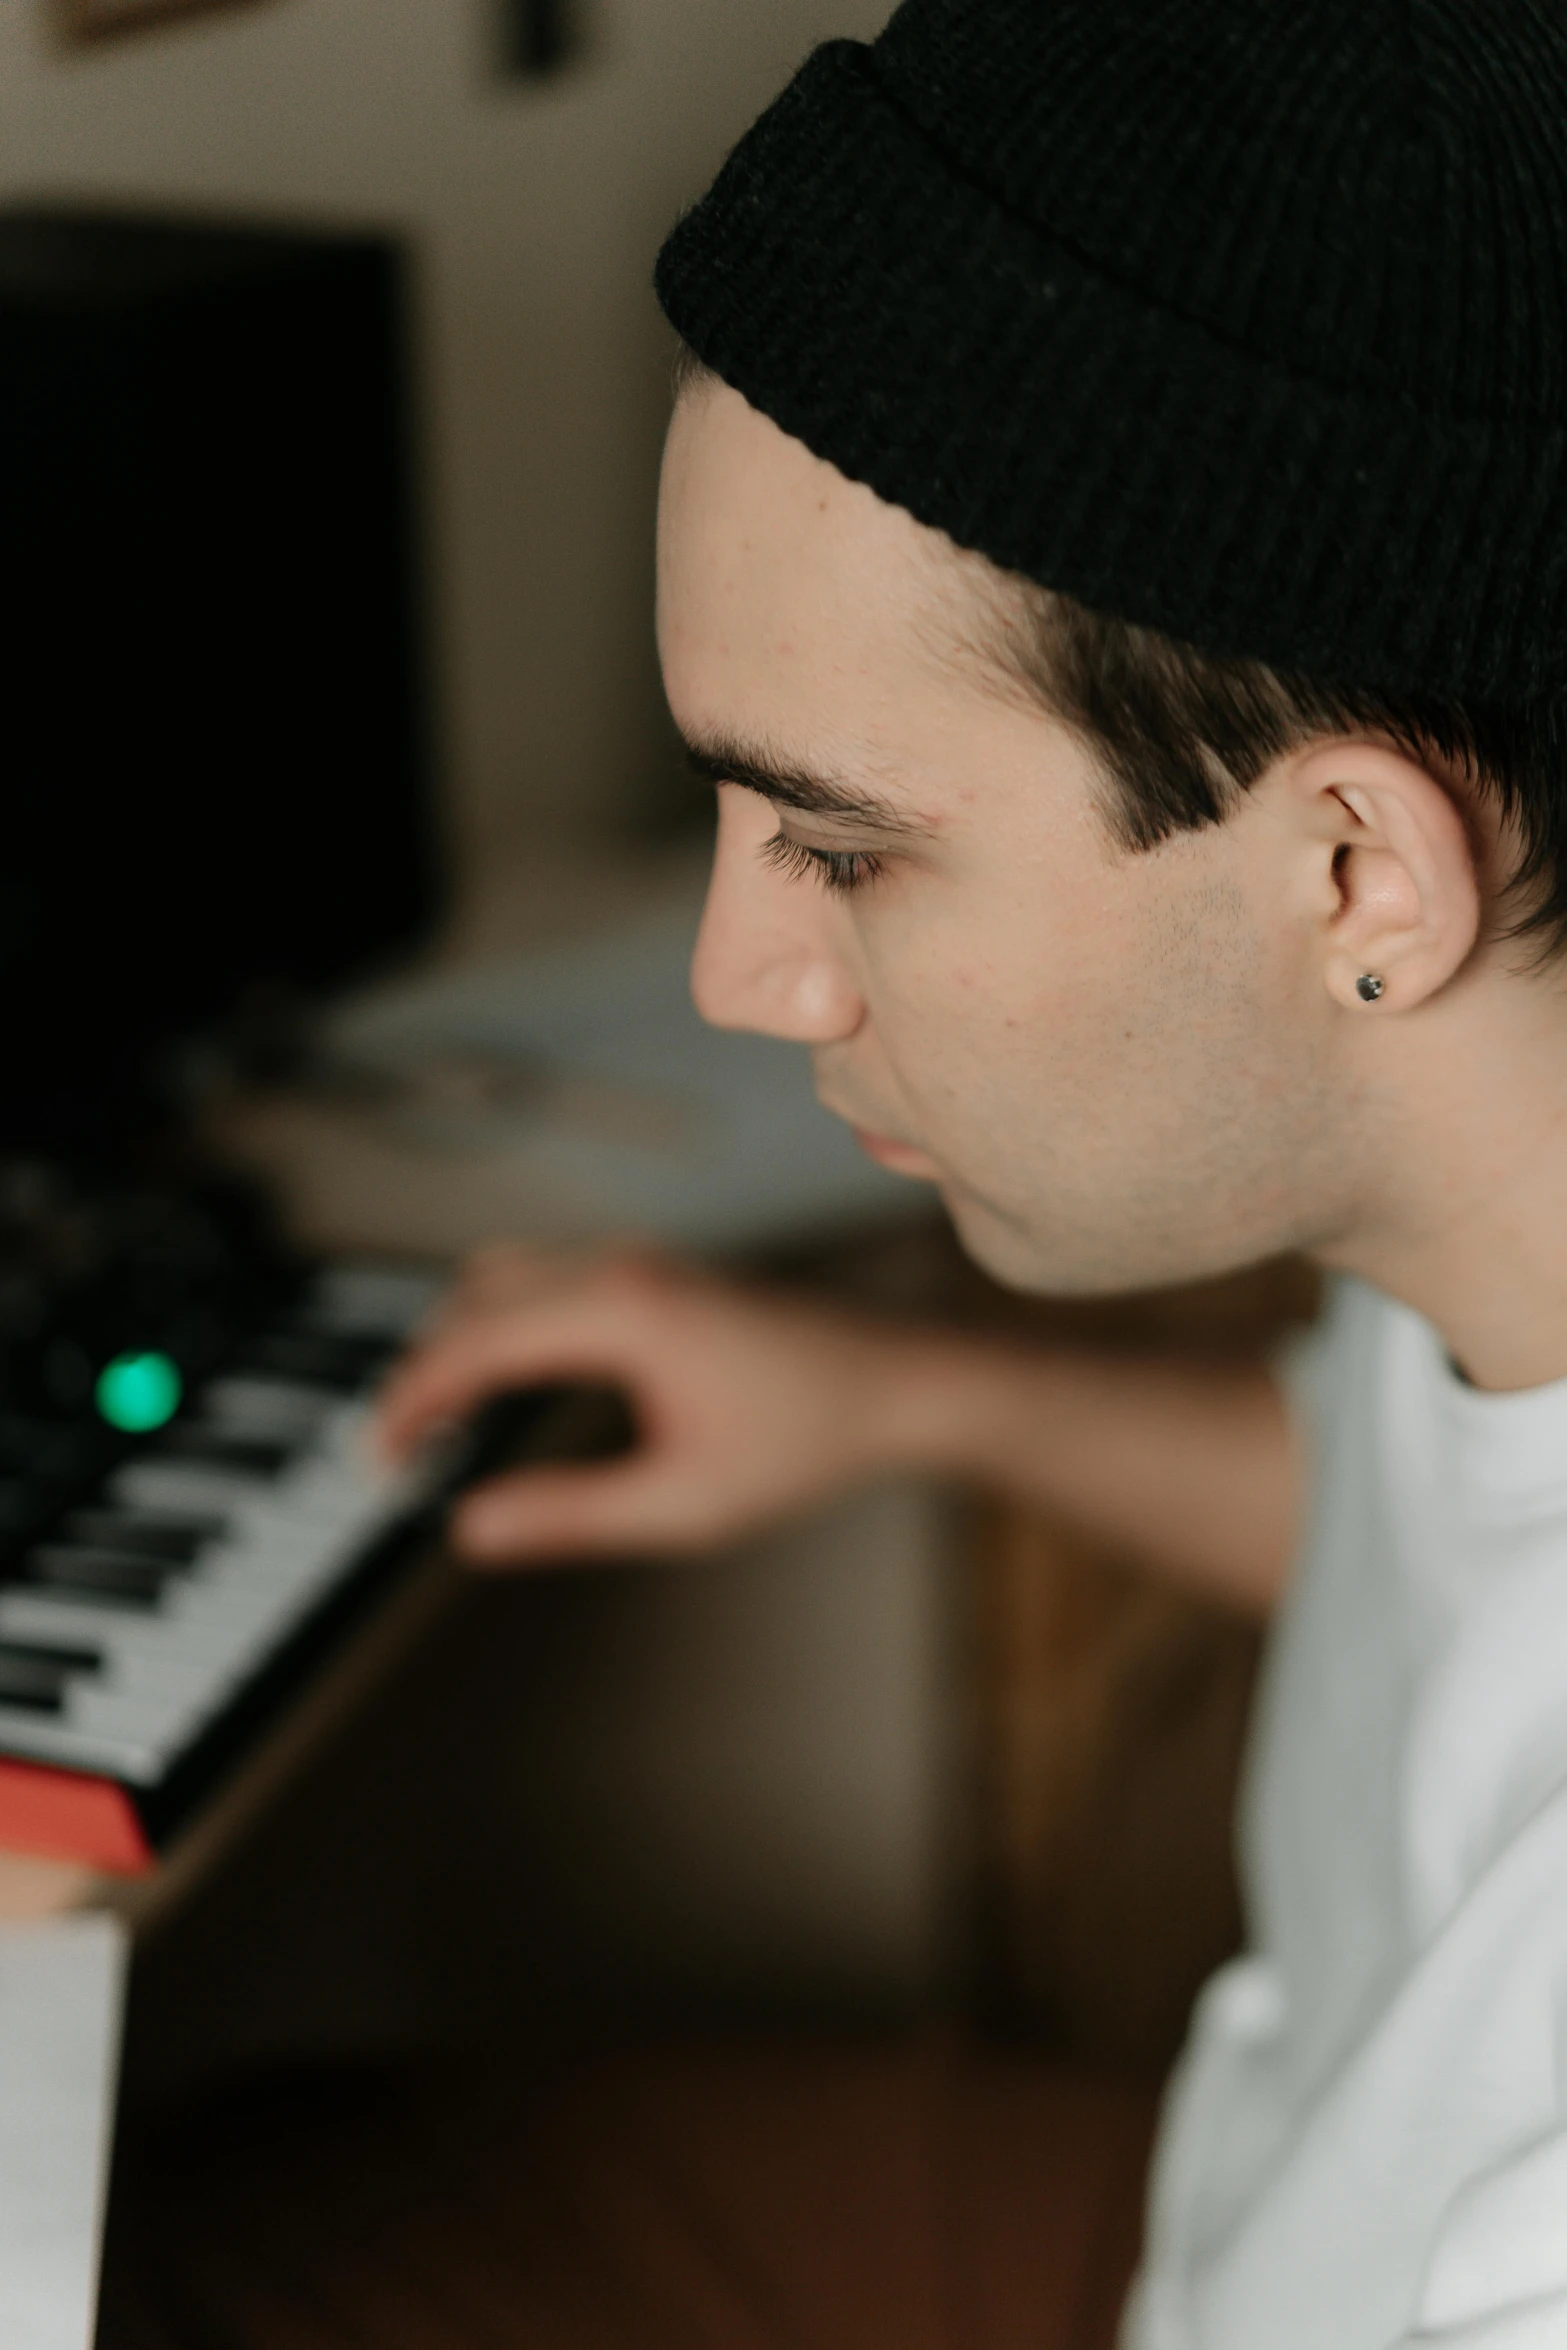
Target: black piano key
<point>27,1506</point>
<point>178,1540</point>
<point>63,1453</point>
<point>215,1448</point>
<point>108,1576</point>
<point>491,1438</point>
<point>318,1358</point>
<point>37,1687</point>
<point>67,1656</point>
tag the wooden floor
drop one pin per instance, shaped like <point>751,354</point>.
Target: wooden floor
<point>922,2194</point>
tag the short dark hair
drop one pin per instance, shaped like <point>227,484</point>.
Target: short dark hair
<point>686,370</point>
<point>1182,734</point>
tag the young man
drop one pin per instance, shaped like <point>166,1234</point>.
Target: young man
<point>1113,565</point>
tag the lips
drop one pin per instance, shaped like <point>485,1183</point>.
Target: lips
<point>888,1150</point>
<point>901,1157</point>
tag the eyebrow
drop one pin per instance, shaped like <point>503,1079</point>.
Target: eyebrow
<point>722,760</point>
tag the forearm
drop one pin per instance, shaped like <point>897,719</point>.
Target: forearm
<point>1191,1468</point>
<point>751,1406</point>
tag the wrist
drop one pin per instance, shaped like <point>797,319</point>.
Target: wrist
<point>944,1404</point>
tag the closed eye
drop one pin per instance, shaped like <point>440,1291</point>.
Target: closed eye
<point>842,870</point>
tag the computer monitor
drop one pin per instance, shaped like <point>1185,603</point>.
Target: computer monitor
<point>215,787</point>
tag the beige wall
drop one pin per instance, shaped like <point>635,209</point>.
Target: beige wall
<point>537,209</point>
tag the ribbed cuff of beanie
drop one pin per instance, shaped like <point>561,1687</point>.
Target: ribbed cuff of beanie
<point>858,285</point>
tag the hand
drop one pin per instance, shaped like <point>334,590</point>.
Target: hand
<point>748,1406</point>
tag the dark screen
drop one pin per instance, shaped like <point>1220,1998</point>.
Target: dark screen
<point>213,730</point>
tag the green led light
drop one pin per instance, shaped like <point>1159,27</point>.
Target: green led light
<point>139,1392</point>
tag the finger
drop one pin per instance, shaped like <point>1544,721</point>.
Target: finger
<point>507,1270</point>
<point>496,1279</point>
<point>561,1513</point>
<point>508,1277</point>
<point>447,1378</point>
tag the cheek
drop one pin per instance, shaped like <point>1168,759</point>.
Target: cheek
<point>974,1037</point>
<point>1056,1030</point>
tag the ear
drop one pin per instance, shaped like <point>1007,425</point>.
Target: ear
<point>1405,890</point>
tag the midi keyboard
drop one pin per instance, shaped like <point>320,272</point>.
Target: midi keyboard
<point>154,1611</point>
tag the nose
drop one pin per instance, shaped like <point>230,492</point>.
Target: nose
<point>770,953</point>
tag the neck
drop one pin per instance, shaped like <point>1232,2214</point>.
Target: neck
<point>1466,1218</point>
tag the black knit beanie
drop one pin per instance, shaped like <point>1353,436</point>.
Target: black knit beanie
<point>1243,319</point>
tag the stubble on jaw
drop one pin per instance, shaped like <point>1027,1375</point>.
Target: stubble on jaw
<point>1192,1129</point>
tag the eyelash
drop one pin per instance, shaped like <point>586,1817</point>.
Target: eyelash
<point>841,870</point>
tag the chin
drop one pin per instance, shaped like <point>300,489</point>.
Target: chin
<point>1050,1262</point>
<point>1094,1260</point>
<point>1000,1244</point>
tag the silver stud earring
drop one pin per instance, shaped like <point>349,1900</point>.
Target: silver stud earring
<point>1368,987</point>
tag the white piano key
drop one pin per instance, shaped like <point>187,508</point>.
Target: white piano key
<point>166,1672</point>
<point>173,1627</point>
<point>107,1717</point>
<point>253,1403</point>
<point>131,1736</point>
<point>181,1488</point>
<point>189,1636</point>
<point>35,1614</point>
<point>190,1599</point>
<point>39,1738</point>
<point>373,1301</point>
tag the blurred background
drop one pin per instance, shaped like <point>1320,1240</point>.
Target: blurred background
<point>532,203</point>
<point>920,1754</point>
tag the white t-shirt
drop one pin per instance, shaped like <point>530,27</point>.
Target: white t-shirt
<point>1365,2146</point>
